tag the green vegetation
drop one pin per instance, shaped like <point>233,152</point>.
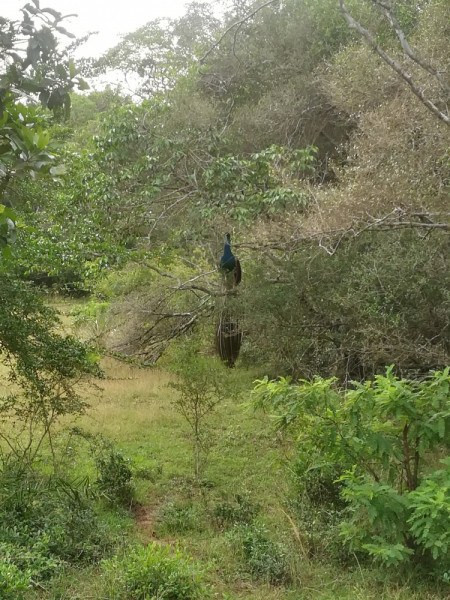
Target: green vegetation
<point>202,383</point>
<point>134,465</point>
<point>155,571</point>
<point>379,434</point>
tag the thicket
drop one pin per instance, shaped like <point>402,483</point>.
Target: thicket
<point>330,183</point>
<point>378,442</point>
<point>333,178</point>
<point>152,572</point>
<point>48,520</point>
<point>258,554</point>
<point>48,523</point>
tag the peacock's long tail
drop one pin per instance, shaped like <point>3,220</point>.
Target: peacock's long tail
<point>237,271</point>
<point>229,331</point>
<point>228,339</point>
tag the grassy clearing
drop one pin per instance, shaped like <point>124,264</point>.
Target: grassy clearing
<point>246,459</point>
<point>134,409</point>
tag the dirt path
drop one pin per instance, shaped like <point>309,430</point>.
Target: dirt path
<point>145,517</point>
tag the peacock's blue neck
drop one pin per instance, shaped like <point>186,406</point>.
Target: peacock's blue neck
<point>227,254</point>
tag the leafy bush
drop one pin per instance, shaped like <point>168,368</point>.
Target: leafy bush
<point>430,517</point>
<point>262,557</point>
<point>47,369</point>
<point>318,481</point>
<point>13,581</point>
<point>178,518</point>
<point>385,428</point>
<point>421,517</point>
<point>46,522</point>
<point>319,505</point>
<point>153,572</point>
<point>115,477</point>
<point>242,512</point>
<point>36,560</point>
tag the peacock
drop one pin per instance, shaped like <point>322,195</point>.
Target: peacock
<point>229,263</point>
<point>229,331</point>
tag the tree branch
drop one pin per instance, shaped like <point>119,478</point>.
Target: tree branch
<point>393,64</point>
<point>407,48</point>
<point>407,458</point>
<point>237,24</point>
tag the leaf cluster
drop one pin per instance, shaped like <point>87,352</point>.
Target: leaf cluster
<point>47,523</point>
<point>32,69</point>
<point>44,367</point>
<point>154,571</point>
<point>383,430</point>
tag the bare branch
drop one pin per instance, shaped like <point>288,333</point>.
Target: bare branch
<point>207,291</point>
<point>238,24</point>
<point>160,273</point>
<point>393,64</point>
<point>407,48</point>
<point>398,218</point>
<point>335,249</point>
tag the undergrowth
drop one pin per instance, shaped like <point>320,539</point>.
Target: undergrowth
<point>255,529</point>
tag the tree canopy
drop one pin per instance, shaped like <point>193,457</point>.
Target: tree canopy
<point>312,136</point>
<point>274,121</point>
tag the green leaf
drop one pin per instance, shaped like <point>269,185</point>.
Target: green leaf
<point>57,15</point>
<point>82,85</point>
<point>28,136</point>
<point>30,9</point>
<point>7,213</point>
<point>6,251</point>
<point>41,139</point>
<point>65,32</point>
<point>72,69</point>
<point>61,71</point>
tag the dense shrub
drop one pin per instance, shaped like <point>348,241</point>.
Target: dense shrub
<point>13,581</point>
<point>115,477</point>
<point>243,511</point>
<point>320,506</point>
<point>368,315</point>
<point>385,430</point>
<point>258,554</point>
<point>153,572</point>
<point>179,518</point>
<point>46,522</point>
<point>319,481</point>
<point>35,561</point>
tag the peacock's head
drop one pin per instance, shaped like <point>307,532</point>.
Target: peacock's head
<point>228,236</point>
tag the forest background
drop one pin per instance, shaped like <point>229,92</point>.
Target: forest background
<point>316,134</point>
